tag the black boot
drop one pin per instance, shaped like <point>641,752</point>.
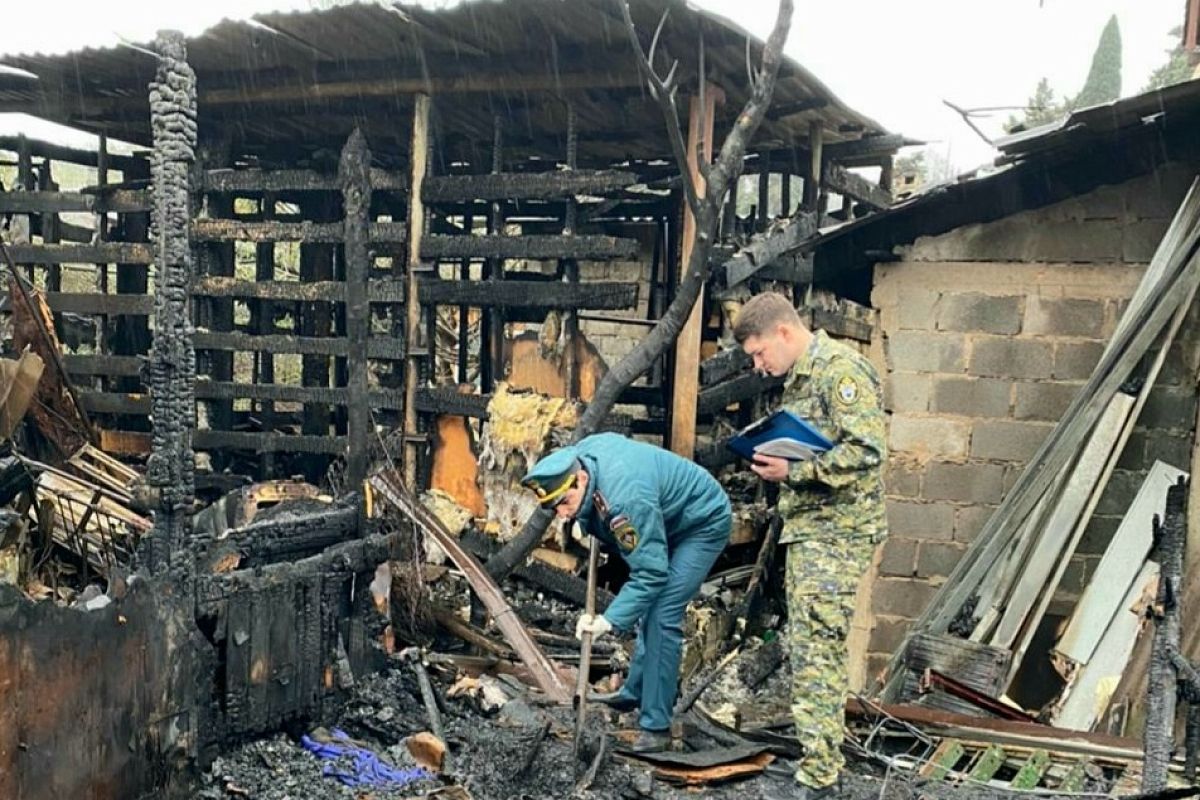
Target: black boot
<point>650,742</point>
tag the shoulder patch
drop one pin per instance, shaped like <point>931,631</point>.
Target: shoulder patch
<point>624,532</point>
<point>847,390</point>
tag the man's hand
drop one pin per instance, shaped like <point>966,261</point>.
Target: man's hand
<point>595,624</point>
<point>770,468</point>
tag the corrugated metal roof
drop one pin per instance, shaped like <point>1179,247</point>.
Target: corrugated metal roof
<point>295,53</point>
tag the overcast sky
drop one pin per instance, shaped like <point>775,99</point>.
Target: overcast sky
<point>893,60</point>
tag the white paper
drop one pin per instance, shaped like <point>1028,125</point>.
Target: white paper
<point>785,447</point>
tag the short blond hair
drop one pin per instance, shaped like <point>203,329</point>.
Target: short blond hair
<point>761,314</point>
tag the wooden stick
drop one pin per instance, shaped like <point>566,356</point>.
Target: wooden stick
<point>585,651</point>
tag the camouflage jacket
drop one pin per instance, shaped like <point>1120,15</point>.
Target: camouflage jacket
<point>840,493</point>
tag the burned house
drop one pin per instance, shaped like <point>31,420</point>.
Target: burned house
<point>334,240</point>
<point>1020,495</point>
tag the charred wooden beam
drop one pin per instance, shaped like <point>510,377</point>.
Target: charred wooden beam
<point>95,303</point>
<point>73,155</point>
<point>866,147</point>
<point>377,347</point>
<point>588,248</point>
<point>96,402</point>
<point>840,324</point>
<point>765,249</point>
<point>561,584</point>
<point>781,110</point>
<point>269,442</point>
<point>296,536</point>
<point>524,186</point>
<point>715,398</point>
<point>527,294</point>
<point>220,286</point>
<point>119,366</point>
<point>49,202</point>
<point>227,230</point>
<point>844,182</point>
<point>724,364</point>
<point>448,400</point>
<point>222,390</point>
<point>140,253</point>
<point>293,180</point>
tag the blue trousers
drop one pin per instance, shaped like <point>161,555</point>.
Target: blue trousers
<point>653,678</point>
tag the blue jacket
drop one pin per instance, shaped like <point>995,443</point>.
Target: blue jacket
<point>641,500</point>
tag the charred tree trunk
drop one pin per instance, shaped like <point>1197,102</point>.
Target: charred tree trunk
<point>1163,682</point>
<point>706,207</point>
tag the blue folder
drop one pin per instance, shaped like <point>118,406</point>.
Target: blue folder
<point>781,434</point>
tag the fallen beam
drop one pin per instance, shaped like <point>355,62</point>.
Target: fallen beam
<point>562,584</point>
<point>523,186</point>
<point>743,387</point>
<point>544,248</point>
<point>848,184</point>
<point>764,250</point>
<point>724,364</point>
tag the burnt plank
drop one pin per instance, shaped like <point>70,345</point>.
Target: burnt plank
<point>122,201</point>
<point>315,291</point>
<point>724,364</point>
<point>448,400</point>
<point>96,303</point>
<point>281,690</point>
<point>743,387</point>
<point>764,249</point>
<point>840,324</point>
<point>563,584</point>
<point>523,186</point>
<point>134,253</point>
<point>792,268</point>
<point>97,402</point>
<point>866,147</point>
<point>269,442</point>
<point>651,396</point>
<point>73,155</point>
<point>528,294</point>
<point>239,626</point>
<point>258,680</point>
<point>277,343</point>
<point>228,230</point>
<point>224,390</point>
<point>120,366</point>
<point>844,182</point>
<point>434,246</point>
<point>292,180</point>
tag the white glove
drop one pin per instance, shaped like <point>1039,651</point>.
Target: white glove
<point>595,624</point>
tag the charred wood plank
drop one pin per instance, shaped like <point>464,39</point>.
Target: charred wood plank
<point>315,291</point>
<point>73,155</point>
<point>764,249</point>
<point>269,442</point>
<point>377,347</point>
<point>97,402</point>
<point>96,303</point>
<point>49,202</point>
<point>840,324</point>
<point>229,230</point>
<point>223,390</point>
<point>562,584</point>
<point>527,294</point>
<point>743,387</point>
<point>844,182</point>
<point>524,186</point>
<point>649,396</point>
<point>592,247</point>
<point>724,364</point>
<point>293,180</point>
<point>117,366</point>
<point>295,536</point>
<point>866,147</point>
<point>448,400</point>
<point>790,268</point>
<point>139,253</point>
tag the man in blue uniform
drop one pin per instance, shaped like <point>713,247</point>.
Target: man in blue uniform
<point>669,519</point>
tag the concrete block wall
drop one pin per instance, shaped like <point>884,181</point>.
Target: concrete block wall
<point>986,334</point>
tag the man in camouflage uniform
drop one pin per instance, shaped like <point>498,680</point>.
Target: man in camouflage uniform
<point>833,513</point>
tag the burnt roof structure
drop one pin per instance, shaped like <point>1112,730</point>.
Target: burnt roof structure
<point>278,79</point>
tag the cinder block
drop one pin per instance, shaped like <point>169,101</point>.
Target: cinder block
<point>1064,316</point>
<point>901,597</point>
<point>1141,239</point>
<point>964,483</point>
<point>902,478</point>
<point>915,307</point>
<point>928,436</point>
<point>1075,361</point>
<point>937,559</point>
<point>888,633</point>
<point>1007,441</point>
<point>909,520</point>
<point>910,351</point>
<point>974,397</point>
<point>907,392</point>
<point>1011,358</point>
<point>969,521</point>
<point>980,312</point>
<point>1175,450</point>
<point>1098,534</point>
<point>1169,409</point>
<point>899,557</point>
<point>1044,401</point>
<point>1083,241</point>
<point>1119,493</point>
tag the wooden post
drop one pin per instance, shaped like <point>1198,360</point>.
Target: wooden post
<point>764,191</point>
<point>354,175</point>
<point>419,161</point>
<point>491,355</point>
<point>812,181</point>
<point>316,319</point>
<point>262,314</point>
<point>571,267</point>
<point>685,385</point>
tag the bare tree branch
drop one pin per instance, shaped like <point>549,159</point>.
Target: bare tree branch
<point>707,211</point>
<point>663,91</point>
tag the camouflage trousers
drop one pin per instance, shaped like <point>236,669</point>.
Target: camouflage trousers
<point>822,577</point>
